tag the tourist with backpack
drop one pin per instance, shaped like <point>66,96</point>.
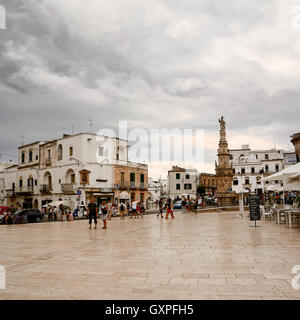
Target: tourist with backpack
<point>122,210</point>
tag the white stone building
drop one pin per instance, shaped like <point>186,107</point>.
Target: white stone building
<point>182,182</point>
<point>164,183</point>
<point>71,169</point>
<point>250,166</point>
<point>154,190</point>
<point>3,166</point>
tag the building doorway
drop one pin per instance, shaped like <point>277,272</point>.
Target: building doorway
<point>132,197</point>
<point>27,204</point>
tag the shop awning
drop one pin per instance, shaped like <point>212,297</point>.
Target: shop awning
<point>124,195</point>
<point>54,204</point>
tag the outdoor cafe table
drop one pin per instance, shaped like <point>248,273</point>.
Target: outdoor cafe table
<point>280,216</point>
<point>293,218</point>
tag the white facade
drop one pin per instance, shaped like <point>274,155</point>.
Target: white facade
<point>164,183</point>
<point>154,189</point>
<point>68,169</point>
<point>182,182</point>
<point>250,166</point>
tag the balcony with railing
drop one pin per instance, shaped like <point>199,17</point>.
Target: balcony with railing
<point>68,188</point>
<point>24,190</point>
<point>10,193</point>
<point>132,185</point>
<point>48,161</point>
<point>123,185</point>
<point>45,188</point>
<point>143,186</point>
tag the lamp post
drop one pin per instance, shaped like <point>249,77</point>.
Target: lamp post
<point>76,160</point>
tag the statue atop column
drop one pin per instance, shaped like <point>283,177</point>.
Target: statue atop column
<point>222,123</point>
<point>224,170</point>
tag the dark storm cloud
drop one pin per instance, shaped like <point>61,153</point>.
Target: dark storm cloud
<point>169,64</point>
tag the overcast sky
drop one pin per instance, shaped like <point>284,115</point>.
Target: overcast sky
<point>156,63</point>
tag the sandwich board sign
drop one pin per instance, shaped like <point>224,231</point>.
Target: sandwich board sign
<point>254,207</point>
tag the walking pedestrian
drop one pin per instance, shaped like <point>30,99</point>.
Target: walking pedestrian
<point>138,209</point>
<point>92,213</point>
<point>122,210</point>
<point>75,213</point>
<point>128,209</point>
<point>55,213</point>
<point>133,209</point>
<point>160,208</point>
<point>169,209</point>
<point>196,205</point>
<point>141,208</point>
<point>183,205</point>
<point>216,201</point>
<point>109,208</point>
<point>104,214</point>
<point>189,205</point>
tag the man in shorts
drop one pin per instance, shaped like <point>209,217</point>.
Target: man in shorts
<point>133,212</point>
<point>92,213</point>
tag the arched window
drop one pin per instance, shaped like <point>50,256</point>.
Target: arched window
<point>70,176</point>
<point>23,157</point>
<point>30,155</point>
<point>60,152</point>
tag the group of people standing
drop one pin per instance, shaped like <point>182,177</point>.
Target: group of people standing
<point>59,213</point>
<point>137,209</point>
<point>168,205</point>
<point>189,205</point>
<point>104,210</point>
<point>93,211</point>
<point>134,210</point>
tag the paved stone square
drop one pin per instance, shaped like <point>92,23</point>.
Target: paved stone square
<point>203,256</point>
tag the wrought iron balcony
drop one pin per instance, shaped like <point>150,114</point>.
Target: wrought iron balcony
<point>45,188</point>
<point>132,185</point>
<point>24,190</point>
<point>48,162</point>
<point>143,186</point>
<point>10,193</point>
<point>124,185</point>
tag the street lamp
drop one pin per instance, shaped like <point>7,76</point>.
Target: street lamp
<point>102,161</point>
<point>74,159</point>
